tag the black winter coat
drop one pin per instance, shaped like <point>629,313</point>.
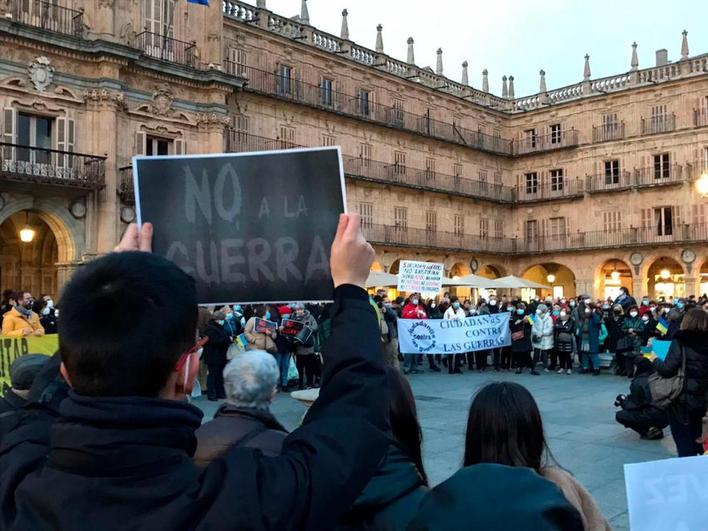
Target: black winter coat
<point>693,400</point>
<point>391,498</point>
<point>516,323</point>
<point>214,352</point>
<point>564,335</point>
<point>126,463</point>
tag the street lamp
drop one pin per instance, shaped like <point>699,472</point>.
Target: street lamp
<point>551,278</point>
<point>702,184</point>
<point>615,275</point>
<point>27,232</point>
<point>665,274</point>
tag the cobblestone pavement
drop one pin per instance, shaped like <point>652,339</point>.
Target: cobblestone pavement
<point>578,415</point>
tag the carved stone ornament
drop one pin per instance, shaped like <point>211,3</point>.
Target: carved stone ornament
<point>162,100</point>
<point>105,97</point>
<point>78,210</point>
<point>212,118</point>
<point>41,73</point>
<point>127,214</point>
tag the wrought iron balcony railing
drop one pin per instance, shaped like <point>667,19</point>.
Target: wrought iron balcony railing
<point>659,174</point>
<point>387,173</point>
<point>47,16</point>
<point>33,165</point>
<point>363,107</point>
<point>555,140</point>
<point>608,132</point>
<point>609,182</point>
<point>165,48</point>
<point>549,189</point>
<point>655,125</point>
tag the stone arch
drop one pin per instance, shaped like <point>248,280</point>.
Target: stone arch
<point>377,266</point>
<point>393,268</point>
<point>459,269</point>
<point>665,277</point>
<point>563,283</point>
<point>492,271</point>
<point>610,275</point>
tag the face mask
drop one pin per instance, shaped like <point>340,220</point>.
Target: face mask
<point>414,302</point>
<point>473,311</point>
<point>562,301</point>
<point>50,303</point>
<point>605,306</point>
<point>587,301</point>
<point>267,316</point>
<point>220,322</point>
<point>46,310</point>
<point>680,305</point>
<point>652,308</point>
<point>521,311</point>
<point>492,303</point>
<point>456,305</point>
<point>229,316</point>
<point>556,312</point>
<point>433,306</point>
<point>539,312</point>
<point>56,314</point>
<point>388,304</point>
<point>618,312</point>
<point>572,304</point>
<point>588,311</point>
<point>645,302</point>
<point>237,308</point>
<point>633,314</point>
<point>645,318</point>
<point>563,314</point>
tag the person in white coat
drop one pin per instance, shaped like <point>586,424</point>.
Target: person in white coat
<point>455,313</point>
<point>542,336</point>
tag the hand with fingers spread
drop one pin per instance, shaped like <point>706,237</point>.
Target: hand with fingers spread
<point>352,255</point>
<point>136,239</point>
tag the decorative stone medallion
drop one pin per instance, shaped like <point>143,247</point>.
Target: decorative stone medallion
<point>41,73</point>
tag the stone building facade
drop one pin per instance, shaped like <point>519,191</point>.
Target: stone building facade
<point>584,188</point>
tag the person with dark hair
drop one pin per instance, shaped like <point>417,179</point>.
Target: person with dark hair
<point>23,371</point>
<point>306,359</point>
<point>7,303</point>
<point>504,427</point>
<point>686,413</point>
<point>48,316</point>
<point>633,329</point>
<point>589,335</point>
<point>625,300</point>
<point>521,345</point>
<point>564,331</point>
<point>393,495</point>
<point>260,340</point>
<point>117,448</point>
<point>21,320</point>
<point>454,313</point>
<point>214,355</point>
<point>638,410</point>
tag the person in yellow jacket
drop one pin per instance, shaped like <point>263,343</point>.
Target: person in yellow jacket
<point>21,320</point>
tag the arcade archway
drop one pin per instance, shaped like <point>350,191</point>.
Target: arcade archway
<point>491,271</point>
<point>559,279</point>
<point>611,276</point>
<point>666,279</point>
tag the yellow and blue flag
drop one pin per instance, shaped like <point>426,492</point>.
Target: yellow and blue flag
<point>662,326</point>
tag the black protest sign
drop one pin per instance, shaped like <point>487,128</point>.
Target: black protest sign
<point>251,227</point>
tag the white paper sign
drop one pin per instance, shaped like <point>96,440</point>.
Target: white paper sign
<point>443,336</point>
<point>420,277</point>
<point>668,495</point>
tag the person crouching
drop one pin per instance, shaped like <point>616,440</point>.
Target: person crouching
<point>638,412</point>
<point>244,420</point>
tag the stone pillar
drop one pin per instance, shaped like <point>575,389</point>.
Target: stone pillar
<point>439,63</point>
<point>511,88</point>
<point>485,80</point>
<point>640,286</point>
<point>693,285</point>
<point>261,4</point>
<point>542,87</point>
<point>634,71</point>
<point>64,272</point>
<point>684,46</point>
<point>587,87</point>
<point>379,39</point>
<point>411,53</point>
<point>505,88</point>
<point>344,33</point>
<point>465,73</point>
<point>584,286</point>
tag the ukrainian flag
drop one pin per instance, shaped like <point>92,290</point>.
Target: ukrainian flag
<point>530,319</point>
<point>241,341</point>
<point>662,326</point>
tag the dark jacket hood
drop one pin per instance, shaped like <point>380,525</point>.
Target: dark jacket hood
<point>473,498</point>
<point>694,340</point>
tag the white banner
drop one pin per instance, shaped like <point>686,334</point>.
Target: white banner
<point>419,277</point>
<point>447,336</point>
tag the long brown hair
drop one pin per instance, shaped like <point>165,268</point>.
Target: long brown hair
<point>695,320</point>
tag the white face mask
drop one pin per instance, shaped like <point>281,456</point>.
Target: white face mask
<point>539,312</point>
<point>633,314</point>
<point>414,302</point>
<point>46,310</point>
<point>56,313</point>
<point>492,302</point>
<point>563,314</point>
<point>50,303</point>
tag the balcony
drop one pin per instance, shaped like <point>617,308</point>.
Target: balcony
<point>609,182</point>
<point>47,16</point>
<point>387,173</point>
<point>363,108</point>
<point>424,239</point>
<point>659,175</point>
<point>126,190</point>
<point>24,167</point>
<point>655,125</point>
<point>164,48</point>
<point>608,132</point>
<point>552,141</point>
<point>548,191</point>
<point>608,239</point>
<point>700,117</point>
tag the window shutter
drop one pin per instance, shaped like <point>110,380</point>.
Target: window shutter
<point>676,216</point>
<point>140,147</point>
<point>70,135</point>
<point>10,119</point>
<point>180,147</point>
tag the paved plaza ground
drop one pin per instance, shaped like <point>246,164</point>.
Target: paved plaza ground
<point>578,414</point>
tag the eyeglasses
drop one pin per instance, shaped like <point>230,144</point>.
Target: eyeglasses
<point>184,357</point>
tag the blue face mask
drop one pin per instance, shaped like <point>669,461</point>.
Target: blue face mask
<point>521,311</point>
<point>679,305</point>
<point>221,323</point>
<point>556,312</point>
<point>237,308</point>
<point>267,316</point>
<point>229,316</point>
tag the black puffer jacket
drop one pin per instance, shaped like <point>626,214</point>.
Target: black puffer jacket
<point>693,400</point>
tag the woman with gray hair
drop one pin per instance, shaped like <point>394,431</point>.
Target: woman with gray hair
<point>245,419</point>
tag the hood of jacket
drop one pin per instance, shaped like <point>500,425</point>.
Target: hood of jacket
<point>470,499</point>
<point>694,340</point>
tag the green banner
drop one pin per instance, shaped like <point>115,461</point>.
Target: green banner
<point>14,347</point>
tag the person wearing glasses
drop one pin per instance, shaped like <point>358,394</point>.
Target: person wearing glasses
<point>21,320</point>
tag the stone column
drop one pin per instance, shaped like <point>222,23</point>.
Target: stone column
<point>584,286</point>
<point>64,272</point>
<point>693,285</point>
<point>640,286</point>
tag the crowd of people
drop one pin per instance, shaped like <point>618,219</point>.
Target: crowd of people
<point>102,435</point>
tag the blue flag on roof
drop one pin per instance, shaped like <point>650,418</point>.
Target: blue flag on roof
<point>200,2</point>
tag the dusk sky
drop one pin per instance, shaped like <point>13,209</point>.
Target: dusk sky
<point>518,37</point>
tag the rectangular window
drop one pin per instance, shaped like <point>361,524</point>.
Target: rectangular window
<point>557,180</point>
<point>329,140</point>
<point>610,126</point>
<point>556,136</point>
<point>664,222</point>
<point>284,80</point>
<point>498,229</point>
<point>531,230</point>
<point>459,224</point>
<point>530,138</point>
<point>366,211</point>
<point>483,181</point>
<point>36,132</point>
<point>484,228</point>
<point>497,178</point>
<point>363,100</point>
<point>430,169</point>
<point>365,154</point>
<point>612,172</point>
<point>399,162</point>
<point>238,60</point>
<point>612,221</point>
<point>662,168</point>
<point>400,219</point>
<point>531,180</point>
<point>287,137</point>
<point>458,170</point>
<point>556,228</point>
<point>157,146</point>
<point>699,215</point>
<point>327,92</point>
<point>397,112</point>
<point>431,221</point>
<point>704,160</point>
